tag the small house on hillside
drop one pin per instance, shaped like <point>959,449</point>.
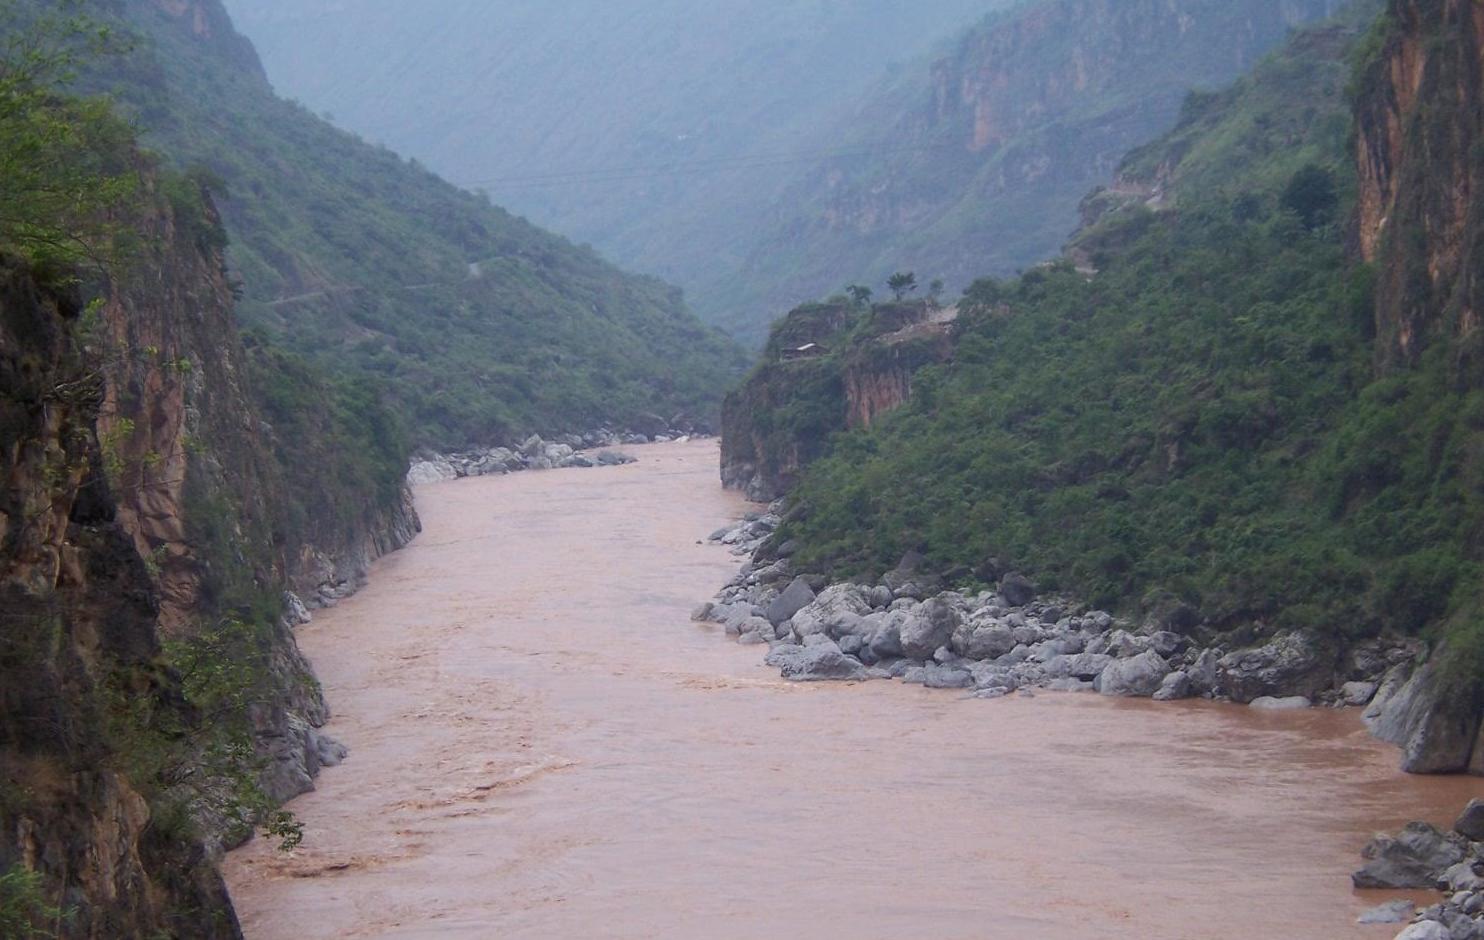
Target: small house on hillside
<point>806,351</point>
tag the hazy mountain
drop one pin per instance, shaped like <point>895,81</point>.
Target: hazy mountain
<point>661,131</point>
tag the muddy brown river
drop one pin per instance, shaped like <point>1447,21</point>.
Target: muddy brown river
<point>543,745</point>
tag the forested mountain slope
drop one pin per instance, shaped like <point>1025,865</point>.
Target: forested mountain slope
<point>476,325</point>
<point>658,131</point>
<point>1236,424</point>
<point>997,141</point>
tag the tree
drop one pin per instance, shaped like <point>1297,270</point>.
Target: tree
<point>902,283</point>
<point>935,292</point>
<point>859,295</point>
<point>66,165</point>
<point>1311,195</point>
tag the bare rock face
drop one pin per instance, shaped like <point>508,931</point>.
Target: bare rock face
<point>1419,119</point>
<point>1290,664</point>
<point>1416,857</point>
<point>1435,727</point>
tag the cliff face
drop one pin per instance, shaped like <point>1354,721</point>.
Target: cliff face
<point>150,523</point>
<point>81,632</point>
<point>1419,119</point>
<point>827,367</point>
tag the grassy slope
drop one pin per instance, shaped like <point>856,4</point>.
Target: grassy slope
<point>1200,421</point>
<point>373,255</point>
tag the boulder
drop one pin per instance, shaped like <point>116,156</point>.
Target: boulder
<point>1017,590</point>
<point>1286,703</point>
<point>1083,666</point>
<point>940,676</point>
<point>1357,694</point>
<point>1175,686</point>
<point>431,471</point>
<point>1426,930</point>
<point>927,627</point>
<point>1470,823</point>
<point>1416,858</point>
<point>990,641</point>
<point>838,608</point>
<point>1392,912</point>
<point>886,641</point>
<point>794,598</point>
<point>702,612</point>
<point>1435,727</point>
<point>1290,664</point>
<point>822,662</point>
<point>1462,877</point>
<point>1139,676</point>
<point>1203,673</point>
<point>614,458</point>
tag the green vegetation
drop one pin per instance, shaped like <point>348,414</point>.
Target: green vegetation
<point>24,909</point>
<point>475,325</point>
<point>1201,420</point>
<point>66,165</point>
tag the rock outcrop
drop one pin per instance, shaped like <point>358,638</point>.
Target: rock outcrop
<point>151,519</point>
<point>827,367</point>
<point>1418,127</point>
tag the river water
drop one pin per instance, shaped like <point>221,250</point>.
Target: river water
<point>543,745</point>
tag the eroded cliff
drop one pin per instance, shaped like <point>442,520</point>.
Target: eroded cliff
<point>1419,117</point>
<point>156,706</point>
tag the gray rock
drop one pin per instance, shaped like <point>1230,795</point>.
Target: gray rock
<point>702,613</point>
<point>794,598</point>
<point>1416,858</point>
<point>836,610</point>
<point>927,627</point>
<point>294,611</point>
<point>1139,676</point>
<point>1203,673</point>
<point>993,676</point>
<point>1392,912</point>
<point>1357,694</point>
<point>815,663</point>
<point>1175,686</point>
<point>947,677</point>
<point>886,642</point>
<point>1083,666</point>
<point>1425,930</point>
<point>1436,730</point>
<point>988,642</point>
<point>752,639</point>
<point>1017,590</point>
<point>1287,703</point>
<point>851,645</point>
<point>613,458</point>
<point>1470,823</point>
<point>879,597</point>
<point>1290,664</point>
<point>1462,877</point>
<point>1068,685</point>
<point>1168,644</point>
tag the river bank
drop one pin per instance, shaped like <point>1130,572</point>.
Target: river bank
<point>543,744</point>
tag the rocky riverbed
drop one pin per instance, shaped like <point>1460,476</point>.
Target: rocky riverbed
<point>1425,857</point>
<point>568,451</point>
<point>992,643</point>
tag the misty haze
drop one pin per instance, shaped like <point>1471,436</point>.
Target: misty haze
<point>832,468</point>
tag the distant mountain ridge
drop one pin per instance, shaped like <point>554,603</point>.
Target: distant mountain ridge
<point>1000,139</point>
<point>476,325</point>
<point>673,126</point>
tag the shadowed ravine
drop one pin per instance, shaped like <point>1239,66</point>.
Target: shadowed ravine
<point>543,745</point>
